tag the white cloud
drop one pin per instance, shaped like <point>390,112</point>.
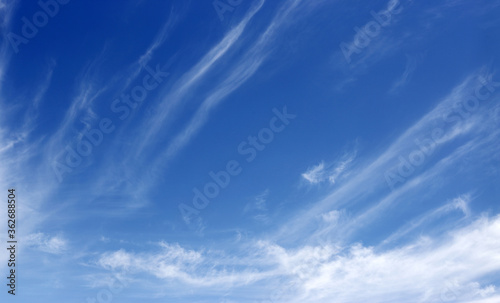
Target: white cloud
<point>191,78</point>
<point>114,260</point>
<point>364,274</point>
<point>331,172</point>
<point>45,243</point>
<point>477,136</point>
<point>462,203</point>
<point>243,70</point>
<point>331,216</point>
<point>315,174</point>
<point>425,270</point>
<point>178,264</point>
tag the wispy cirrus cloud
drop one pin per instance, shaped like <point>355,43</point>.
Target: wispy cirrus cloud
<point>317,250</point>
<point>477,128</point>
<point>328,172</point>
<point>238,73</point>
<point>192,77</point>
<point>411,65</point>
<point>163,115</point>
<point>358,272</point>
<point>460,203</point>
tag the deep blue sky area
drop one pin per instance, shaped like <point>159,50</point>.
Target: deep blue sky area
<point>250,151</point>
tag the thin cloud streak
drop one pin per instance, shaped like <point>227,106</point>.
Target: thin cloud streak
<point>244,69</point>
<point>369,177</point>
<point>192,77</point>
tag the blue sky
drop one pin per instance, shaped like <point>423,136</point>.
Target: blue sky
<point>252,151</point>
